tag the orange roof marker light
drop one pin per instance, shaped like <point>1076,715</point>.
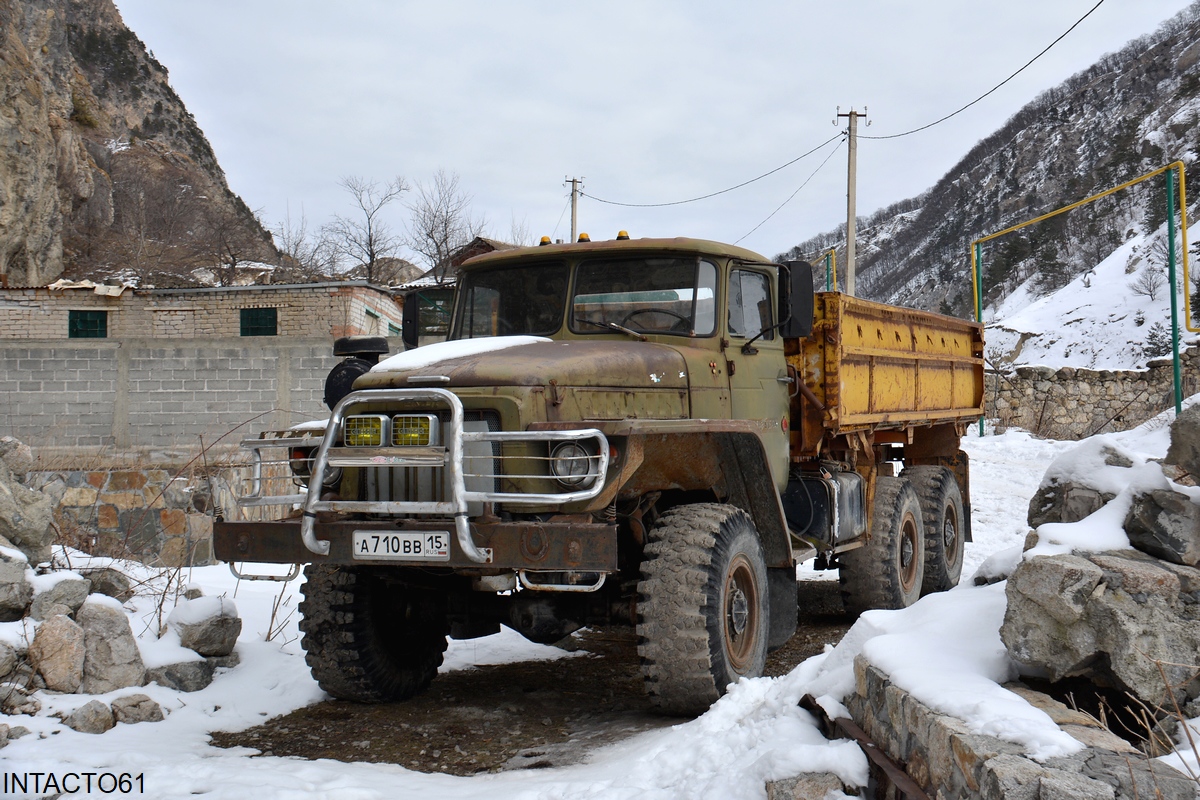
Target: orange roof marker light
<point>622,236</point>
<point>583,237</point>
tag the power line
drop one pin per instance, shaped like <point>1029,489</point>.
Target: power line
<point>793,194</point>
<point>714,194</point>
<point>997,86</point>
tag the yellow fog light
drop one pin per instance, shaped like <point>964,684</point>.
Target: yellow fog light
<point>364,431</point>
<point>414,430</point>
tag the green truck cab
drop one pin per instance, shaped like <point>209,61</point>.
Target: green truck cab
<point>615,432</point>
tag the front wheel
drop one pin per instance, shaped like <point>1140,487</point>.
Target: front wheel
<point>703,608</point>
<point>888,572</point>
<point>366,639</point>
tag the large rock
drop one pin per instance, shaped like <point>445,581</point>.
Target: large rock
<point>187,676</point>
<point>1184,451</point>
<point>92,717</point>
<point>57,653</point>
<point>110,582</point>
<point>1065,502</point>
<point>16,455</point>
<point>69,592</point>
<point>25,517</point>
<point>208,625</point>
<point>1116,618</point>
<point>1165,524</point>
<point>136,708</point>
<point>8,659</point>
<point>15,588</point>
<point>112,660</point>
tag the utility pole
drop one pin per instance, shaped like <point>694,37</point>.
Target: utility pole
<point>576,185</point>
<point>851,179</point>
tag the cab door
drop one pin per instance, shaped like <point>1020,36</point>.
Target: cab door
<point>758,374</point>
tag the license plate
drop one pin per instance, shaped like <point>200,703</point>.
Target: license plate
<point>407,546</point>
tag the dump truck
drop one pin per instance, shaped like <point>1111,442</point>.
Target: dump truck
<point>648,432</point>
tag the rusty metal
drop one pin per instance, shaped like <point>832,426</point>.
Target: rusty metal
<point>885,769</point>
<point>568,547</point>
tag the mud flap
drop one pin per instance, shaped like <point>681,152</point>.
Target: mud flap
<point>784,606</point>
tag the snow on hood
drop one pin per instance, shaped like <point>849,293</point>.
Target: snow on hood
<point>443,351</point>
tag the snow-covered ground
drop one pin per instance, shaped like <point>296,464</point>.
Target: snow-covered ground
<point>946,649</point>
<point>1100,320</point>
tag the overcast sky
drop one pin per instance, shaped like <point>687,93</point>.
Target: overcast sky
<point>648,101</point>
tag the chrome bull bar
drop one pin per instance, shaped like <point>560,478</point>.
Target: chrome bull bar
<point>449,456</point>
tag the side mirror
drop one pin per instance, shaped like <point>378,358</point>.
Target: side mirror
<point>796,299</point>
<point>410,325</point>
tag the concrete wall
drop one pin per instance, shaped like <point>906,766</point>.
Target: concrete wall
<point>141,394</point>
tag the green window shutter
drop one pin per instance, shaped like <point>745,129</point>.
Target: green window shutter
<point>87,325</point>
<point>260,322</point>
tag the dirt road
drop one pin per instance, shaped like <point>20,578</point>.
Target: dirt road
<point>523,715</point>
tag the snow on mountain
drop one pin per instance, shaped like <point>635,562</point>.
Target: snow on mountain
<point>1103,319</point>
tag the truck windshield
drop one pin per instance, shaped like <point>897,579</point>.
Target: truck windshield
<point>512,301</point>
<point>647,295</point>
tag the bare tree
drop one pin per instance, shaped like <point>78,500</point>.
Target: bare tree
<point>366,237</point>
<point>1149,281</point>
<point>307,256</point>
<point>441,222</point>
<point>228,237</point>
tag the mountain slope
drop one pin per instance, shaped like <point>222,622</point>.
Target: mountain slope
<point>101,165</point>
<point>1131,112</point>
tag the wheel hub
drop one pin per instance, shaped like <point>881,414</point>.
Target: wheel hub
<point>739,611</point>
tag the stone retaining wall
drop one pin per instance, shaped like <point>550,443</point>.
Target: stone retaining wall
<point>159,516</point>
<point>1072,403</point>
<point>948,760</point>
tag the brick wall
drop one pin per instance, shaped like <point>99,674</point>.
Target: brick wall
<point>333,309</point>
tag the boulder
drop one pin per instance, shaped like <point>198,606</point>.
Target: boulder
<point>1184,451</point>
<point>1116,618</point>
<point>136,708</point>
<point>16,699</point>
<point>112,659</point>
<point>15,589</point>
<point>187,676</point>
<point>57,653</point>
<point>110,582</point>
<point>208,625</point>
<point>8,659</point>
<point>1165,524</point>
<point>1060,501</point>
<point>69,592</point>
<point>92,717</point>
<point>15,455</point>
<point>25,517</point>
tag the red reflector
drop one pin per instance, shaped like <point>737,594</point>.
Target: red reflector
<point>783,423</point>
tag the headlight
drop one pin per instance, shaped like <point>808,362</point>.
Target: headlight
<point>570,463</point>
<point>415,430</point>
<point>364,431</point>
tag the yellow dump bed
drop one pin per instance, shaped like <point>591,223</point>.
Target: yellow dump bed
<point>874,366</point>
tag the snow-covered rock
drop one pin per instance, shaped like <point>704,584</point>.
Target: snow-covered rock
<point>208,625</point>
<point>57,653</point>
<point>113,660</point>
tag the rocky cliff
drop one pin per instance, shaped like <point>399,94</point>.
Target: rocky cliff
<point>102,168</point>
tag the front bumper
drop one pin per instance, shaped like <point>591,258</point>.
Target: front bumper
<point>531,546</point>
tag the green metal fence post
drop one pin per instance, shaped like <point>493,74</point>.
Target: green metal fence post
<point>828,272</point>
<point>979,300</point>
<point>1174,300</point>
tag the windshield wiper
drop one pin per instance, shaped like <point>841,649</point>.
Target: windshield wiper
<point>614,327</point>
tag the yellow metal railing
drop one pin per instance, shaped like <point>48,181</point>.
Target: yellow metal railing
<point>977,251</point>
<point>975,279</point>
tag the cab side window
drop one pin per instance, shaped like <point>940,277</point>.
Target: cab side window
<point>749,304</point>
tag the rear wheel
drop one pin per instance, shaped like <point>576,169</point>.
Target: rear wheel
<point>703,607</point>
<point>942,514</point>
<point>888,572</point>
<point>367,640</point>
